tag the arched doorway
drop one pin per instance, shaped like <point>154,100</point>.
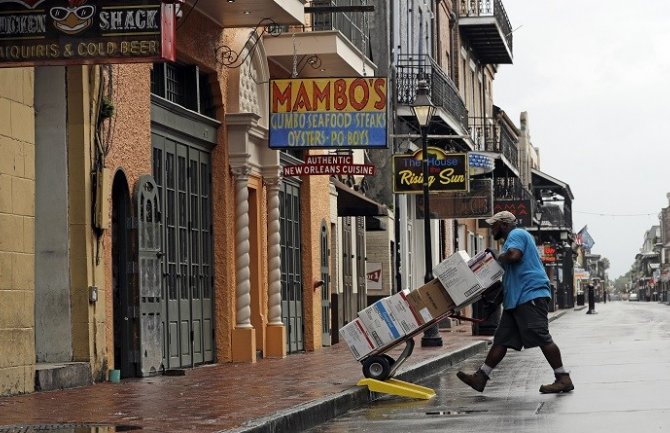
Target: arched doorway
<point>124,296</point>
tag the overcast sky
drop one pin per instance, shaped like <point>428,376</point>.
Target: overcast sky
<point>594,78</point>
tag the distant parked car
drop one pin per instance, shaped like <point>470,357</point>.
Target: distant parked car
<point>633,297</point>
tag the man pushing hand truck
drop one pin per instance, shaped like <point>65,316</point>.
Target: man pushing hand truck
<point>526,294</point>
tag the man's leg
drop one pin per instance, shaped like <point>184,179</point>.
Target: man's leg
<point>495,355</point>
<point>478,379</point>
<point>506,335</point>
<point>563,382</point>
<point>553,355</point>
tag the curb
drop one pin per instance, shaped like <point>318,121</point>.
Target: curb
<point>311,414</point>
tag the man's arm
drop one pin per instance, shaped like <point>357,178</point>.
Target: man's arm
<point>510,256</point>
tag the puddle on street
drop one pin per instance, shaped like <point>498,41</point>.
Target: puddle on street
<point>69,428</point>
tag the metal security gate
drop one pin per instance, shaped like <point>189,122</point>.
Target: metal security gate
<point>182,173</point>
<point>291,266</point>
<point>325,286</point>
<point>149,280</point>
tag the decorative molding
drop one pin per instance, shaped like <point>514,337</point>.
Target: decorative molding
<point>274,252</point>
<point>248,93</point>
<point>242,247</point>
<point>229,58</point>
<point>241,172</point>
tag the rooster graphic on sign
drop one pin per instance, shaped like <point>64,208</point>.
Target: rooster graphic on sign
<point>74,18</point>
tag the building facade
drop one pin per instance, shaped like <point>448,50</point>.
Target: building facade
<point>160,233</point>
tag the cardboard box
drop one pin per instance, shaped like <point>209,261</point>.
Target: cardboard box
<point>457,278</point>
<point>486,268</point>
<point>401,311</point>
<point>357,338</point>
<point>430,301</point>
<point>380,324</point>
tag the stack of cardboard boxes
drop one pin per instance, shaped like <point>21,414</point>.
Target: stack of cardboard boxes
<point>460,281</point>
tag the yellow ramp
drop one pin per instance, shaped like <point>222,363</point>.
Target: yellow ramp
<point>398,387</point>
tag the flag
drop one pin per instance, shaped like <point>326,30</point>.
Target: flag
<point>584,239</point>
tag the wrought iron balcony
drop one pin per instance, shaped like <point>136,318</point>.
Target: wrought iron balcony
<point>556,216</point>
<point>491,135</point>
<point>511,195</point>
<point>511,188</point>
<point>353,26</point>
<point>485,25</point>
<point>443,93</point>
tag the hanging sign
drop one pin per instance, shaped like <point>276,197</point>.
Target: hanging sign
<point>373,276</point>
<point>446,172</point>
<point>70,32</point>
<point>476,203</point>
<point>581,274</point>
<point>480,163</point>
<point>332,165</point>
<point>340,113</point>
<point>520,208</point>
<point>548,253</point>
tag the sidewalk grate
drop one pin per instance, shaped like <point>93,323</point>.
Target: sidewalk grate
<point>68,428</point>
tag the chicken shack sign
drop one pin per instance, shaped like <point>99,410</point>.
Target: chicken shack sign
<point>338,113</point>
<point>65,32</point>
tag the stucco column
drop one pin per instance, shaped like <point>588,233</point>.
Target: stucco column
<point>244,336</point>
<point>276,332</point>
<point>274,254</point>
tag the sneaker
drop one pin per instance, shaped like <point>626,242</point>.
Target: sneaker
<point>476,381</point>
<point>563,383</point>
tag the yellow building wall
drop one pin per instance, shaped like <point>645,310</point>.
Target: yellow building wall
<point>88,318</point>
<point>17,231</point>
<point>315,208</point>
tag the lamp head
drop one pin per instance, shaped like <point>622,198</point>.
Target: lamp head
<point>422,107</point>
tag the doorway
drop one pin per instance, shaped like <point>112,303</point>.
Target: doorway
<point>291,266</point>
<point>182,174</point>
<point>325,285</point>
<point>124,297</point>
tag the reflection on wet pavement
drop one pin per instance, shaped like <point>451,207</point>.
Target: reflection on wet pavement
<point>68,428</point>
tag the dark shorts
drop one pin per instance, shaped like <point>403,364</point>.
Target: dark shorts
<point>524,326</point>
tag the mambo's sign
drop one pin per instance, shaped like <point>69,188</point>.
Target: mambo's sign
<point>64,32</point>
<point>328,112</point>
<point>329,165</point>
<point>446,172</point>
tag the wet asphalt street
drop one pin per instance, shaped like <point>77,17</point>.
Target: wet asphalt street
<point>620,365</point>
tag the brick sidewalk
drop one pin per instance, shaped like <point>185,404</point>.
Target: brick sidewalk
<point>212,398</point>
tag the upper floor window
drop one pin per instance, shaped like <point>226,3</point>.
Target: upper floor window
<point>185,85</point>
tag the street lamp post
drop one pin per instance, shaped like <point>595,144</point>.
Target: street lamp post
<point>423,110</point>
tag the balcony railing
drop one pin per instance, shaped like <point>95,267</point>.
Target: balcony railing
<point>352,25</point>
<point>443,93</point>
<point>511,188</point>
<point>556,215</point>
<point>490,135</point>
<point>486,37</point>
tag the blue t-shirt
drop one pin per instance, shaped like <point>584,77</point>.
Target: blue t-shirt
<point>525,280</point>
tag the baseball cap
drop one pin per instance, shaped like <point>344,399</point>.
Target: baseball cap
<point>503,217</point>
